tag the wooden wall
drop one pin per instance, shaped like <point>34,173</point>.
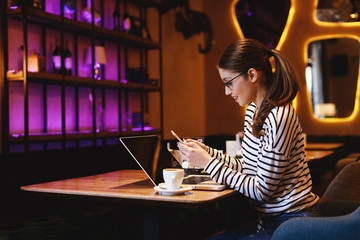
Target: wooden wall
<point>194,96</point>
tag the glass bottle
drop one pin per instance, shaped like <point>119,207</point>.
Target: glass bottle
<point>116,16</point>
<point>56,56</point>
<point>126,23</point>
<point>67,59</point>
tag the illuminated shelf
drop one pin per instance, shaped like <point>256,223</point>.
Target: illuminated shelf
<point>46,101</point>
<point>57,136</point>
<point>58,79</point>
<point>38,16</point>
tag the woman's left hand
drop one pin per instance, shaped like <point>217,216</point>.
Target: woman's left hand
<point>194,154</point>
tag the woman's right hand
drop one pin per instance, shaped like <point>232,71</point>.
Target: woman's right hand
<point>195,153</point>
<point>200,144</point>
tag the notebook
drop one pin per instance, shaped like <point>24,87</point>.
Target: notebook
<point>149,153</point>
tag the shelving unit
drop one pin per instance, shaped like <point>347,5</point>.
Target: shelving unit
<point>46,110</point>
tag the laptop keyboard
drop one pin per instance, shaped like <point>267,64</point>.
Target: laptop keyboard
<point>196,179</point>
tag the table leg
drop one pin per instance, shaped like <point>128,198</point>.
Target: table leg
<point>151,224</point>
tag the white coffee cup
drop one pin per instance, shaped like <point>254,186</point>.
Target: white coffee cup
<point>173,178</point>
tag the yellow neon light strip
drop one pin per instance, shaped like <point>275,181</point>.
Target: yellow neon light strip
<point>287,25</point>
<point>234,19</point>
<point>320,24</point>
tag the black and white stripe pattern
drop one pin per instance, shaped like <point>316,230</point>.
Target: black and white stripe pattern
<point>272,171</point>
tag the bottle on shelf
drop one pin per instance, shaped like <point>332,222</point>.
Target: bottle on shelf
<point>37,3</point>
<point>116,16</point>
<point>56,56</point>
<point>126,23</point>
<point>67,59</point>
<point>36,63</point>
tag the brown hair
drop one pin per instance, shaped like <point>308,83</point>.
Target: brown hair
<point>281,83</point>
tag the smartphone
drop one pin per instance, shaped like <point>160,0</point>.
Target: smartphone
<point>177,137</point>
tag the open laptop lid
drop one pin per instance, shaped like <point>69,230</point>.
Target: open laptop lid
<point>149,154</point>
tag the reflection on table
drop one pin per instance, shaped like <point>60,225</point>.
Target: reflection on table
<point>317,154</point>
<point>323,146</point>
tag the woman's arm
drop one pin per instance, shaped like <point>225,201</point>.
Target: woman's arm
<point>199,155</point>
<point>233,163</point>
<point>271,163</point>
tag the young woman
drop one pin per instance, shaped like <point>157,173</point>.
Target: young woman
<point>272,170</point>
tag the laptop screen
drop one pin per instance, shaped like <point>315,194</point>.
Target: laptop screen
<point>150,155</point>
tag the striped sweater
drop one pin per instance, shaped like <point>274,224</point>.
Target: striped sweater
<point>272,170</point>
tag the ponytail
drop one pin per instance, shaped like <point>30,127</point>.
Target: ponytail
<point>282,89</point>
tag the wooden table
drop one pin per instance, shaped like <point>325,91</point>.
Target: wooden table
<point>130,186</point>
<point>317,151</point>
<point>317,154</point>
<point>323,146</point>
<point>125,185</point>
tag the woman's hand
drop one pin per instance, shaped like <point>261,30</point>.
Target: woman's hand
<point>195,153</point>
<point>200,144</point>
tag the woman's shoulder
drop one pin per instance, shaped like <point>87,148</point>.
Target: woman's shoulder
<point>281,115</point>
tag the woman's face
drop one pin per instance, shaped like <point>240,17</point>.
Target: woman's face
<point>240,88</point>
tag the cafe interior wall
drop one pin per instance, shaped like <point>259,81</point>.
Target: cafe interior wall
<point>194,97</point>
<point>183,78</point>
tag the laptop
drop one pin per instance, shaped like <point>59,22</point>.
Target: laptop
<point>151,156</point>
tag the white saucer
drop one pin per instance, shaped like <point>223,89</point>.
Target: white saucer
<point>163,191</point>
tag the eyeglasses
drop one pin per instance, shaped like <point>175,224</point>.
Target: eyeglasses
<point>228,83</point>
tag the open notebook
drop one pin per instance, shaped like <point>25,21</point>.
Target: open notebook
<point>152,157</point>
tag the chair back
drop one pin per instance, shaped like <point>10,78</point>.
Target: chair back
<point>346,185</point>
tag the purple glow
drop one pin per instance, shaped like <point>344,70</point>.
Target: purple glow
<point>53,8</point>
<point>54,114</point>
<point>49,122</point>
<point>249,14</point>
<point>16,108</point>
<point>137,129</point>
<point>69,11</point>
<point>51,133</point>
<point>13,7</point>
<point>126,24</point>
<point>112,130</point>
